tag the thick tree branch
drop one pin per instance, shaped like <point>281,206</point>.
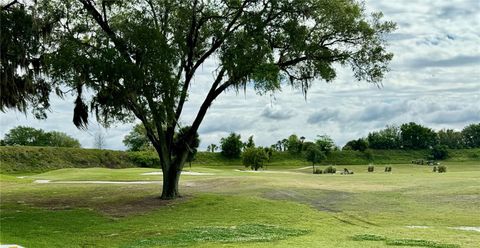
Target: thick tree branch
<point>120,45</point>
<point>215,90</point>
<point>229,30</point>
<point>6,7</point>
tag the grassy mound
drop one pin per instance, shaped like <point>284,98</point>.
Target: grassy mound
<point>21,159</point>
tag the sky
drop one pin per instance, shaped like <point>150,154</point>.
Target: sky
<point>434,81</point>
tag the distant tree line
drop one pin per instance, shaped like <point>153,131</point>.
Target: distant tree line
<point>414,136</point>
<point>29,136</point>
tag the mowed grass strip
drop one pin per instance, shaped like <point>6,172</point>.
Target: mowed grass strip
<point>403,242</point>
<point>232,234</point>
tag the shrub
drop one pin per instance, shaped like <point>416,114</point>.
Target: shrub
<point>434,168</point>
<point>254,157</point>
<point>144,159</point>
<point>442,169</point>
<point>330,170</point>
<point>388,169</point>
<point>318,171</point>
<point>439,152</point>
<point>371,168</point>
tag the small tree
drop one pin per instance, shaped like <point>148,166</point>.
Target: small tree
<point>471,135</point>
<point>254,157</point>
<point>99,140</point>
<point>250,143</point>
<point>212,148</point>
<point>325,143</point>
<point>137,139</point>
<point>231,146</point>
<point>315,155</point>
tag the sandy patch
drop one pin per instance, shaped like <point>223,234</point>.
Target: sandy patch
<point>190,173</point>
<point>263,171</point>
<point>41,181</point>
<point>98,182</point>
<point>303,168</point>
<point>417,227</point>
<point>467,228</point>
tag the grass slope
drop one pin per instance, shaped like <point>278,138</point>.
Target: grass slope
<point>40,159</point>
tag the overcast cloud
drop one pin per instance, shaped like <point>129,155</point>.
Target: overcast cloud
<point>434,81</point>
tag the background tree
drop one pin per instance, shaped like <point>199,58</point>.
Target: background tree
<point>356,145</point>
<point>285,144</point>
<point>231,146</point>
<point>60,139</point>
<point>388,138</point>
<point>294,145</point>
<point>250,143</point>
<point>99,140</point>
<point>29,136</point>
<point>212,147</point>
<point>450,138</point>
<point>254,157</point>
<point>415,136</point>
<point>25,136</point>
<point>137,140</point>
<point>139,58</point>
<point>471,135</point>
<point>325,143</point>
<point>315,155</point>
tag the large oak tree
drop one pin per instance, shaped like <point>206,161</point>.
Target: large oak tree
<point>138,58</point>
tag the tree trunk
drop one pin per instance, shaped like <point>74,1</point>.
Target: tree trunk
<point>170,183</point>
<point>171,176</point>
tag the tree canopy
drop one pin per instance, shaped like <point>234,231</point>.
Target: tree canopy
<point>138,59</point>
<point>231,146</point>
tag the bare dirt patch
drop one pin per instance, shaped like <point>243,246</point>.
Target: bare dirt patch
<point>113,209</point>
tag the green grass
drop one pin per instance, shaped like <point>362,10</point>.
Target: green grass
<point>284,207</point>
<point>402,242</point>
<point>230,234</point>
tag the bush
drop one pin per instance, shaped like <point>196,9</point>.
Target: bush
<point>318,171</point>
<point>371,168</point>
<point>145,159</point>
<point>330,170</point>
<point>254,157</point>
<point>439,152</point>
<point>388,169</point>
<point>435,168</point>
<point>442,169</point>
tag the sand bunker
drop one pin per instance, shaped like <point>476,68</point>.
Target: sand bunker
<point>417,227</point>
<point>41,181</point>
<point>467,228</point>
<point>263,171</point>
<point>190,173</point>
